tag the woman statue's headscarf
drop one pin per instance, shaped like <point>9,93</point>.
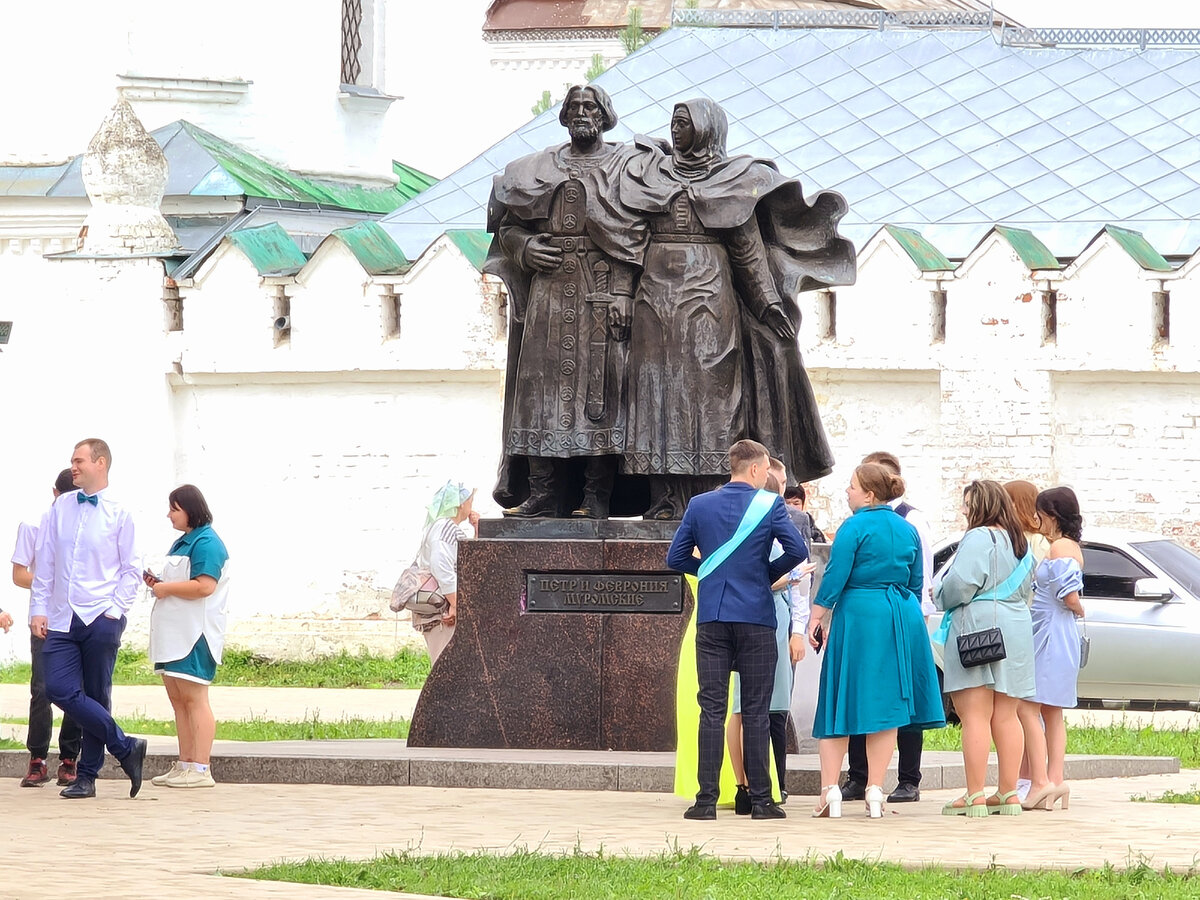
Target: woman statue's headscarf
<point>446,501</point>
<point>710,128</point>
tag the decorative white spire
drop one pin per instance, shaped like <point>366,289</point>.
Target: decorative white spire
<point>125,174</point>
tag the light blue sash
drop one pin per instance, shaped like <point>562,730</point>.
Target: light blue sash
<point>760,505</point>
<point>1002,591</point>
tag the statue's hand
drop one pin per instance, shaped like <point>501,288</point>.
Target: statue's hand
<point>620,317</point>
<point>541,255</point>
<point>776,319</point>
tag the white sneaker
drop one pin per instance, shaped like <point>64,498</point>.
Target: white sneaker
<point>1023,786</point>
<point>160,780</point>
<point>190,778</point>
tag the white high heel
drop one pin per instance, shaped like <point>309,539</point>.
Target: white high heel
<point>833,804</point>
<point>874,798</point>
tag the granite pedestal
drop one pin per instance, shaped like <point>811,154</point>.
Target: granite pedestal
<point>579,680</point>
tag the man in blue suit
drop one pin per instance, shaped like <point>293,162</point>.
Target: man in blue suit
<point>734,527</point>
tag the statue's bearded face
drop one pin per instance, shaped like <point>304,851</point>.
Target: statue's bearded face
<point>585,118</point>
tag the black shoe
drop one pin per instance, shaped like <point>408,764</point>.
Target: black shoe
<point>852,790</point>
<point>701,811</point>
<point>767,811</point>
<point>132,764</point>
<point>536,507</point>
<point>905,793</point>
<point>80,789</point>
<point>741,801</point>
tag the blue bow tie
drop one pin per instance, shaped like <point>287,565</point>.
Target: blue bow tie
<point>94,499</point>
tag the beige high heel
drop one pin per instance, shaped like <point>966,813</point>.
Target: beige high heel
<point>1062,793</point>
<point>1043,799</point>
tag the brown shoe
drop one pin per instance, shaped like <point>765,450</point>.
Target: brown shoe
<point>37,774</point>
<point>66,772</point>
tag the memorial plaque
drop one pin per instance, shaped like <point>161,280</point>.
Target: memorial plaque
<point>603,592</point>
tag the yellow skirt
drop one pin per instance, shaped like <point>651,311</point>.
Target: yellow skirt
<point>687,722</point>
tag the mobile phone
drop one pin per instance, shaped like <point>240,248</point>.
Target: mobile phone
<point>147,574</point>
<point>819,634</point>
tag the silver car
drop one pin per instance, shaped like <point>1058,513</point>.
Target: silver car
<point>1141,593</point>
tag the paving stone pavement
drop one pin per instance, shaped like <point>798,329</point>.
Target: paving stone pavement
<point>170,843</point>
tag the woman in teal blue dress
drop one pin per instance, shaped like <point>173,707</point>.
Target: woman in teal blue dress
<point>878,674</point>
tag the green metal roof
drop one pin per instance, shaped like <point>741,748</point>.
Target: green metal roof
<point>259,178</point>
<point>1139,248</point>
<point>412,181</point>
<point>269,249</point>
<point>1033,253</point>
<point>473,244</point>
<point>373,248</point>
<point>927,257</point>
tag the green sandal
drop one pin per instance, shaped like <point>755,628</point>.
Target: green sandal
<point>969,807</point>
<point>1004,808</point>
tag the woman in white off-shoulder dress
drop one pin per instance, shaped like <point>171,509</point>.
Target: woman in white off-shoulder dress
<point>1058,583</point>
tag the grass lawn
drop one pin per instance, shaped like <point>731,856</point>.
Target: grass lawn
<point>1108,740</point>
<point>407,669</point>
<point>533,876</point>
<point>314,729</point>
<point>8,744</point>
<point>1191,796</point>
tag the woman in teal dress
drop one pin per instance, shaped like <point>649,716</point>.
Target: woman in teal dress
<point>878,674</point>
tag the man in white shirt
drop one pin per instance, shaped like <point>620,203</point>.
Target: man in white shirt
<point>41,715</point>
<point>86,577</point>
<point>909,743</point>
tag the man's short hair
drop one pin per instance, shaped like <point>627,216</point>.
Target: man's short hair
<point>776,463</point>
<point>795,492</point>
<point>744,453</point>
<point>99,448</point>
<point>885,459</point>
<point>64,482</point>
<point>607,110</point>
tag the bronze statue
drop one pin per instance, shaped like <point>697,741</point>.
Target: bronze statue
<point>698,258</point>
<point>569,257</point>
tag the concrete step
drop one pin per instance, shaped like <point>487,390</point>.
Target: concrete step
<point>391,762</point>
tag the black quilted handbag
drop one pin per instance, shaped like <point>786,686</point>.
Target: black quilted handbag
<point>982,647</point>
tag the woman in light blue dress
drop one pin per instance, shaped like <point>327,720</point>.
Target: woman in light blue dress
<point>878,673</point>
<point>1056,606</point>
<point>987,586</point>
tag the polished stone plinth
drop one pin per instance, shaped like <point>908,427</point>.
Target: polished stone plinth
<point>554,680</point>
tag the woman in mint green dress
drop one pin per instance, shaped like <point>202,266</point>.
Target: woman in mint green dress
<point>878,674</point>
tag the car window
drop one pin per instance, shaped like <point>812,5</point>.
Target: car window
<point>1107,572</point>
<point>1176,560</point>
<point>942,556</point>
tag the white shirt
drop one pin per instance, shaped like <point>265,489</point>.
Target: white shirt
<point>85,562</point>
<point>917,519</point>
<point>24,553</point>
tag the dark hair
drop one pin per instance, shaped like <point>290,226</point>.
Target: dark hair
<point>794,491</point>
<point>885,459</point>
<point>745,452</point>
<point>880,481</point>
<point>607,110</point>
<point>189,499</point>
<point>989,504</point>
<point>1024,498</point>
<point>1061,504</point>
<point>64,482</point>
<point>98,449</point>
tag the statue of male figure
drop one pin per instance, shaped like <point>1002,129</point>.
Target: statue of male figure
<point>568,254</point>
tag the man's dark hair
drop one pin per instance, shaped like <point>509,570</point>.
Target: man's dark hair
<point>189,499</point>
<point>745,452</point>
<point>607,110</point>
<point>796,491</point>
<point>64,482</point>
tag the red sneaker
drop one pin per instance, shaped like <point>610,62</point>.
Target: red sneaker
<point>66,771</point>
<point>37,774</point>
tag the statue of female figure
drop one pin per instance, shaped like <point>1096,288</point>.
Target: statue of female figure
<point>713,355</point>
